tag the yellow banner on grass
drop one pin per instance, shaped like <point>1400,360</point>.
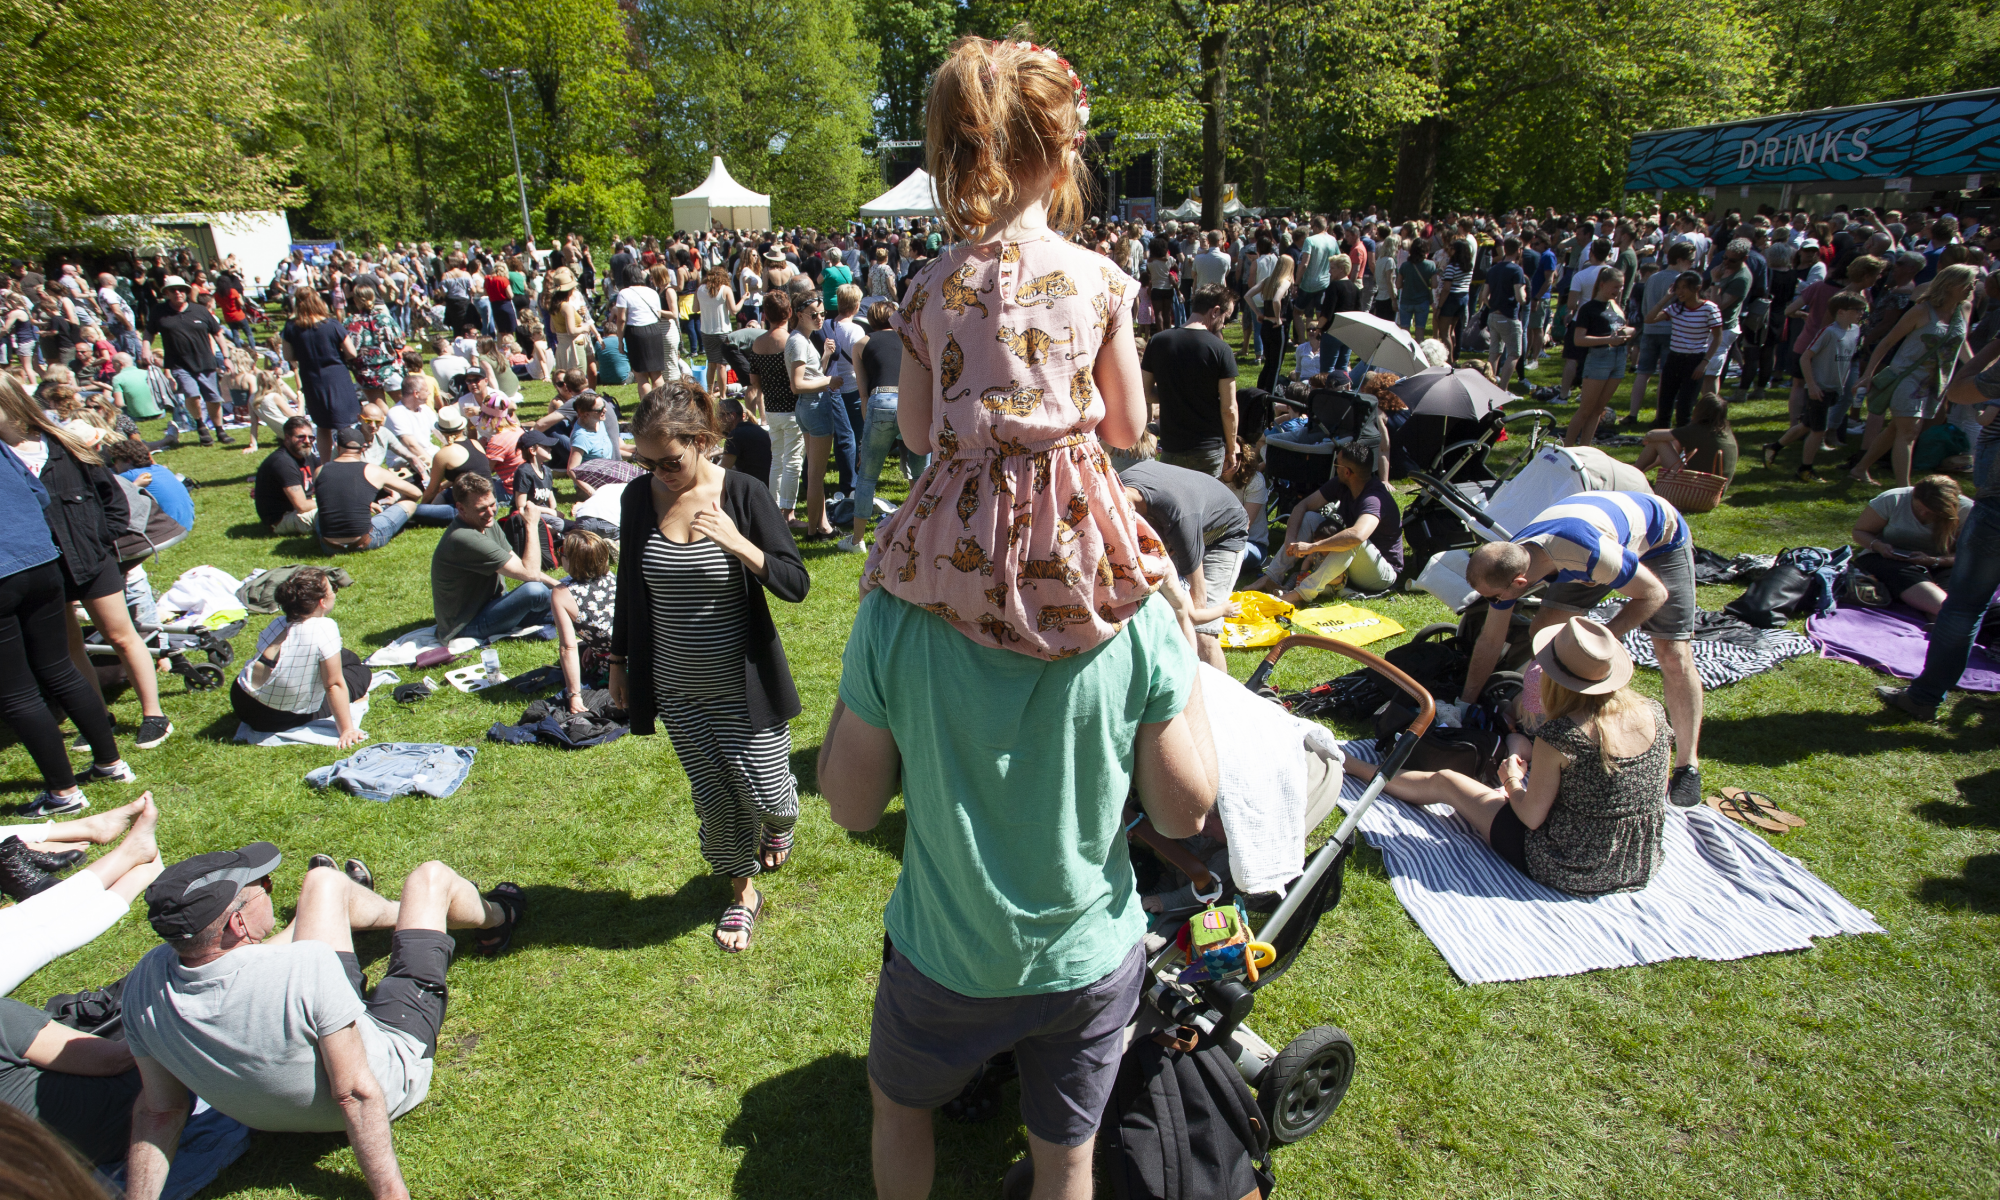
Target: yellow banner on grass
<point>1345,623</point>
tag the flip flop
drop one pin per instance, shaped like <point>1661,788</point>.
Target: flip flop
<point>496,941</point>
<point>738,919</point>
<point>1762,803</point>
<point>1744,816</point>
<point>777,843</point>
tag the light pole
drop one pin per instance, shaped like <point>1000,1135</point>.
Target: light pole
<point>500,76</point>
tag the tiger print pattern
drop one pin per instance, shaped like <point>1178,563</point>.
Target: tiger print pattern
<point>951,365</point>
<point>997,596</point>
<point>1011,398</point>
<point>941,610</point>
<point>947,441</point>
<point>919,296</point>
<point>1060,616</point>
<point>968,556</point>
<point>1050,568</point>
<point>958,294</point>
<point>1082,389</point>
<point>1019,528</point>
<point>1047,289</point>
<point>997,629</point>
<point>1032,345</point>
<point>928,505</point>
<point>968,500</point>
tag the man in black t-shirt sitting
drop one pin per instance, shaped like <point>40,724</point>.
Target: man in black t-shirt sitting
<point>345,493</point>
<point>283,491</point>
<point>1190,379</point>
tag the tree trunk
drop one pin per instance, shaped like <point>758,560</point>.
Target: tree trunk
<point>1214,123</point>
<point>1416,167</point>
<point>1260,161</point>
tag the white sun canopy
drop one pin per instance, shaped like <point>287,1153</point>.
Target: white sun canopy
<point>721,200</point>
<point>914,197</point>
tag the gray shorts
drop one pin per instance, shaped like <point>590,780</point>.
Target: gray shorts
<point>1220,565</point>
<point>1674,622</point>
<point>927,1041</point>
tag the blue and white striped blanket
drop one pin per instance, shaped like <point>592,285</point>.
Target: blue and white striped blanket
<point>1721,893</point>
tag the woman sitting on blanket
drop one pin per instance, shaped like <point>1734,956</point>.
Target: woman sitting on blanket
<point>1908,540</point>
<point>301,673</point>
<point>1584,816</point>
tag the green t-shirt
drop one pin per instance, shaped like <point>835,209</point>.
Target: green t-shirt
<point>1015,878</point>
<point>465,574</point>
<point>137,389</point>
<point>830,279</point>
<point>518,284</point>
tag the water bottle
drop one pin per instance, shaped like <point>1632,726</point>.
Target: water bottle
<point>489,659</point>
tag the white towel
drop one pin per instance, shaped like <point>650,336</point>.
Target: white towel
<point>1721,893</point>
<point>200,591</point>
<point>404,650</point>
<point>323,732</point>
<point>1260,750</point>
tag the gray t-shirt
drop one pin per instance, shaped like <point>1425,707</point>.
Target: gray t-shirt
<point>1189,510</point>
<point>465,574</point>
<point>243,1033</point>
<point>1903,530</point>
<point>1657,287</point>
<point>1833,354</point>
<point>94,1113</point>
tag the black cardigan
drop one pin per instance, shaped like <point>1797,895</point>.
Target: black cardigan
<point>86,512</point>
<point>767,678</point>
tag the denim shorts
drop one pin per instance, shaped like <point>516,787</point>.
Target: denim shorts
<point>1604,362</point>
<point>1653,349</point>
<point>815,413</point>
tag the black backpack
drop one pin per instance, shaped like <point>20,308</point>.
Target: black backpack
<point>1183,1125</point>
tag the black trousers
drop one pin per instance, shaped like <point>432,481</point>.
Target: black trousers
<point>34,655</point>
<point>1680,386</point>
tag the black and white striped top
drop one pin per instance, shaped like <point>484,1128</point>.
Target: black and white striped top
<point>699,618</point>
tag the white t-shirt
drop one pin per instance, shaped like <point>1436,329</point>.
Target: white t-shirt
<point>446,368</point>
<point>412,426</point>
<point>1210,266</point>
<point>641,305</point>
<point>799,349</point>
<point>843,335</point>
<point>295,684</point>
<point>1253,496</point>
<point>243,1033</point>
<point>1585,282</point>
<point>714,315</point>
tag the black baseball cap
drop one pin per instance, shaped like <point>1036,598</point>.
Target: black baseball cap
<point>191,894</point>
<point>535,437</point>
<point>352,436</point>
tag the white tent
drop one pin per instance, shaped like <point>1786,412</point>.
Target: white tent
<point>721,199</point>
<point>914,197</point>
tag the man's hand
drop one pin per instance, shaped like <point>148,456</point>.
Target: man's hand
<point>365,1110</point>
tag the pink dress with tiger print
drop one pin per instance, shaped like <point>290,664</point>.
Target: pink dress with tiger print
<point>1019,534</point>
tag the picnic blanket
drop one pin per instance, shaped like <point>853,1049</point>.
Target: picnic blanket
<point>404,650</point>
<point>1721,893</point>
<point>323,732</point>
<point>1893,641</point>
<point>209,1142</point>
<point>1725,648</point>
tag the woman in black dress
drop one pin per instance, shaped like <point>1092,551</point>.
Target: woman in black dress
<point>322,348</point>
<point>693,644</point>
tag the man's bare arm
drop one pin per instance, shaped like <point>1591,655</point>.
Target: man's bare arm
<point>365,1110</point>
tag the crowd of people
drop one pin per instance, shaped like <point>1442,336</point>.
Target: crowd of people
<point>1086,490</point>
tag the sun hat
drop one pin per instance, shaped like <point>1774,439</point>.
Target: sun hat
<point>191,894</point>
<point>561,279</point>
<point>451,418</point>
<point>175,281</point>
<point>773,255</point>
<point>1583,656</point>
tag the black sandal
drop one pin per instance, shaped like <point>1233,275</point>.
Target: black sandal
<point>980,1100</point>
<point>779,844</point>
<point>738,919</point>
<point>497,940</point>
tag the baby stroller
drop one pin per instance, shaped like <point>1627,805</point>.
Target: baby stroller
<point>1300,1085</point>
<point>1452,461</point>
<point>177,643</point>
<point>1298,462</point>
<point>1491,510</point>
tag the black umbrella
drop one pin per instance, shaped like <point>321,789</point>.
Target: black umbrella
<point>1461,393</point>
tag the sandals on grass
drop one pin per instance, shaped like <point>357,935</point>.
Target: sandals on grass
<point>738,919</point>
<point>514,902</point>
<point>1753,809</point>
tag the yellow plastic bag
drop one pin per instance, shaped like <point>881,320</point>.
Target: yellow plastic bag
<point>1345,623</point>
<point>1259,624</point>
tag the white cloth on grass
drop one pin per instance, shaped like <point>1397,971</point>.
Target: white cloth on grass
<point>404,650</point>
<point>46,926</point>
<point>201,591</point>
<point>323,732</point>
<point>1720,893</point>
<point>1261,753</point>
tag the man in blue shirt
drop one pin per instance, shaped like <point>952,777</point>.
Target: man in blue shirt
<point>1541,266</point>
<point>1584,548</point>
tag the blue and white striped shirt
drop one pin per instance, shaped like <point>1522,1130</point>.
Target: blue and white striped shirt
<point>1602,537</point>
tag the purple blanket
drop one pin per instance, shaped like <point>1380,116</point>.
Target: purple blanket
<point>1892,640</point>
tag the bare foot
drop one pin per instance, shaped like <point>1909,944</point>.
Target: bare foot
<point>99,828</point>
<point>141,836</point>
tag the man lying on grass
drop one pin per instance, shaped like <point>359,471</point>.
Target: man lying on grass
<point>273,1028</point>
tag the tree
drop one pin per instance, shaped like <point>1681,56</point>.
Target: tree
<point>113,108</point>
<point>911,37</point>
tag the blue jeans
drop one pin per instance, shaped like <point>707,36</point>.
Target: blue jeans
<point>1413,317</point>
<point>878,434</point>
<point>1974,578</point>
<point>385,525</point>
<point>846,408</point>
<point>525,605</point>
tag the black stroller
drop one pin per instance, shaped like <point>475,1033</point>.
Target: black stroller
<point>1452,459</point>
<point>177,644</point>
<point>1295,468</point>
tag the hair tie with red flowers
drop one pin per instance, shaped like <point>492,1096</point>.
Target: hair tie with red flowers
<point>1076,84</point>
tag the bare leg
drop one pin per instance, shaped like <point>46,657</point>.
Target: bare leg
<point>1925,597</point>
<point>817,449</point>
<point>110,615</point>
<point>1210,649</point>
<point>1684,699</point>
<point>98,829</point>
<point>1061,1172</point>
<point>135,862</point>
<point>1900,452</point>
<point>1468,797</point>
<point>437,897</point>
<point>903,1147</point>
<point>332,907</point>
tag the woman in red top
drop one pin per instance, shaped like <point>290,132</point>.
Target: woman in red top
<point>500,294</point>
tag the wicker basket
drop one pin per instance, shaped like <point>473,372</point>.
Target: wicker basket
<point>1691,491</point>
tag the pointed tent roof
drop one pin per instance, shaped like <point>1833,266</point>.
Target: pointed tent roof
<point>721,191</point>
<point>914,197</point>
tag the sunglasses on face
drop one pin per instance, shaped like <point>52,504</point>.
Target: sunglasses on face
<point>671,466</point>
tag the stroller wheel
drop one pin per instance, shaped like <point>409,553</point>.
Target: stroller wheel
<point>201,677</point>
<point>1305,1083</point>
<point>1435,629</point>
<point>222,654</point>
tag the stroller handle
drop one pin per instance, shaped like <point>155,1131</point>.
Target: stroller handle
<point>1426,707</point>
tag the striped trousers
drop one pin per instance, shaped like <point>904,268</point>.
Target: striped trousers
<point>741,778</point>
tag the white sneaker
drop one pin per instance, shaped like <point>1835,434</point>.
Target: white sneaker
<point>849,545</point>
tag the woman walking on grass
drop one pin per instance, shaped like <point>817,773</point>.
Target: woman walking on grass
<point>693,644</point>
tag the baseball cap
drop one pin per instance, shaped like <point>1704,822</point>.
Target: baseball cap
<point>534,437</point>
<point>351,436</point>
<point>191,894</point>
<point>1809,244</point>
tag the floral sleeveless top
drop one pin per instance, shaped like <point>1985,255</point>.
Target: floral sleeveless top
<point>1019,533</point>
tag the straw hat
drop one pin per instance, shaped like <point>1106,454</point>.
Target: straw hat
<point>451,418</point>
<point>773,255</point>
<point>1583,656</point>
<point>562,279</point>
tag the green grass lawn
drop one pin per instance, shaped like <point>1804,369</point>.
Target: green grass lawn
<point>617,1052</point>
